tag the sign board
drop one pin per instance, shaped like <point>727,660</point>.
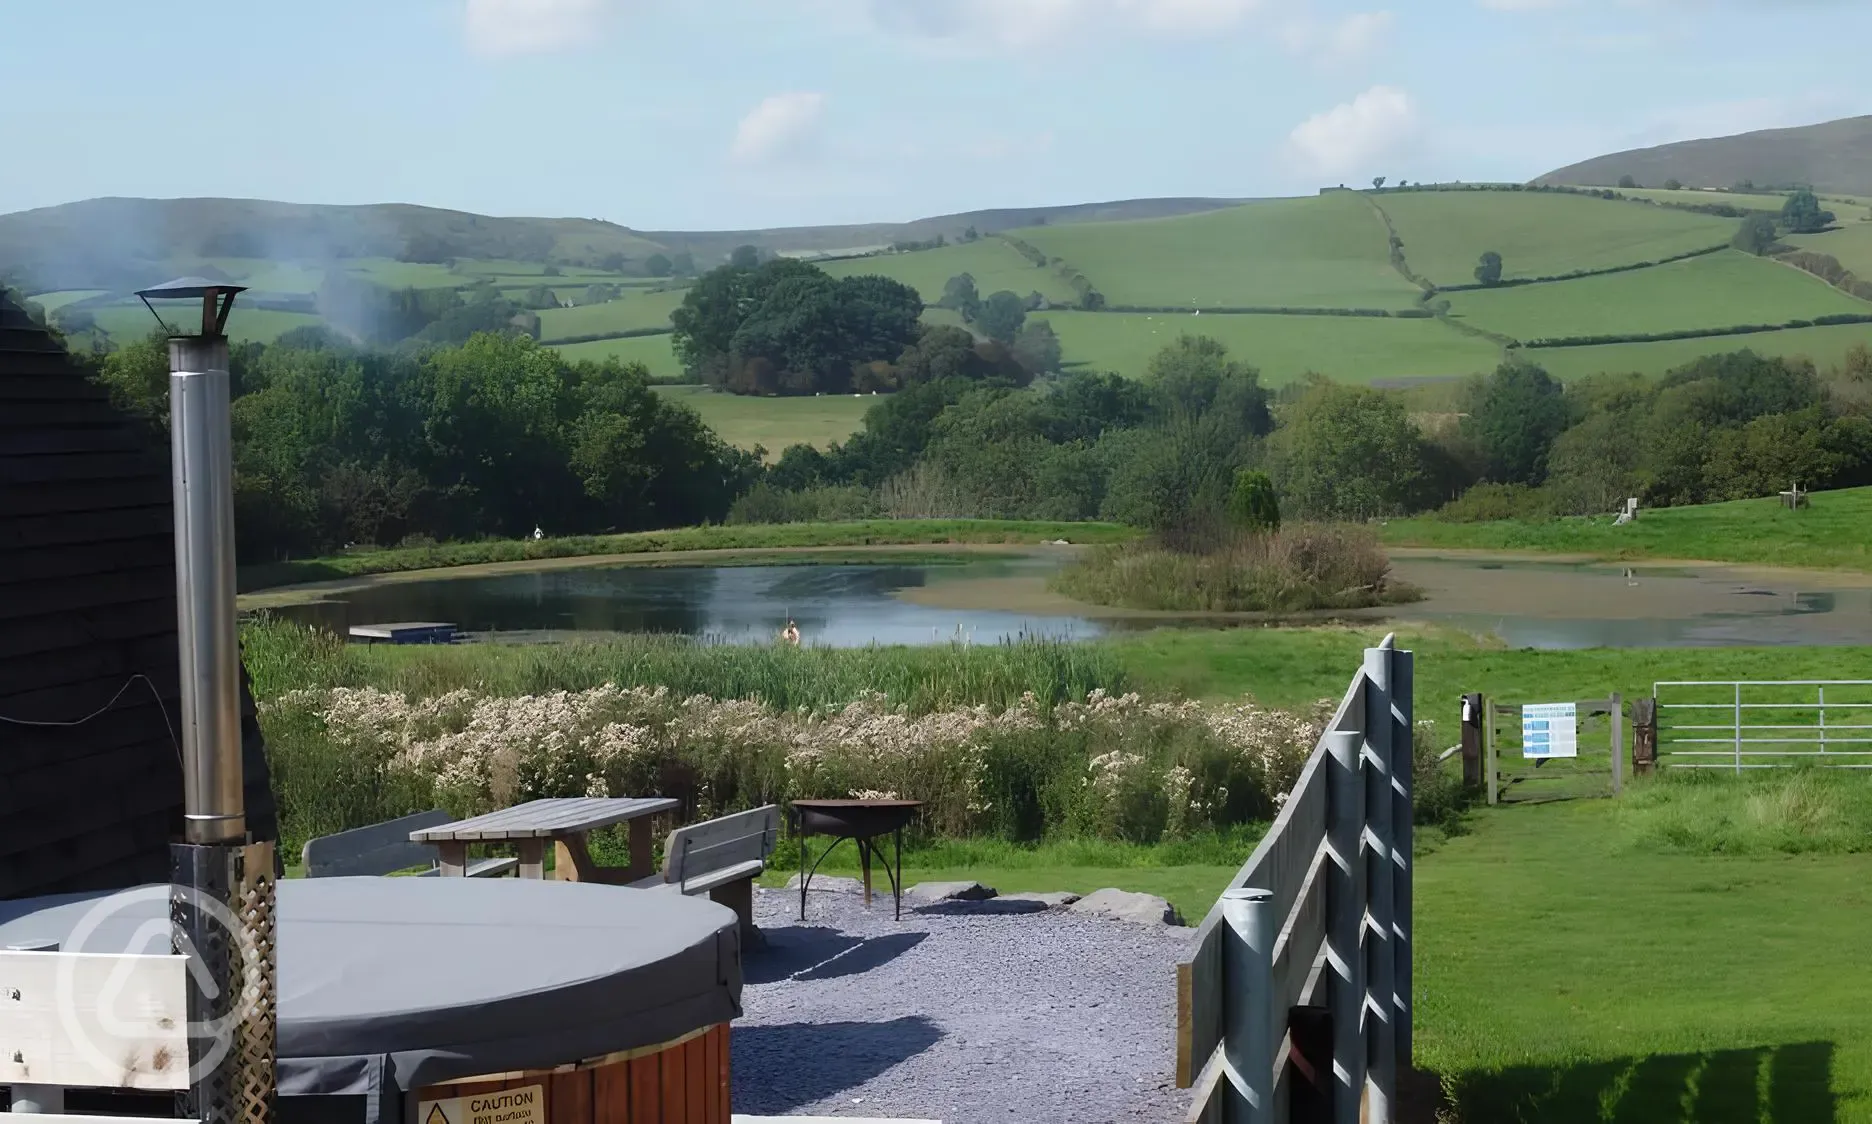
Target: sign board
<point>1548,730</point>
<point>525,1105</point>
<point>94,1020</point>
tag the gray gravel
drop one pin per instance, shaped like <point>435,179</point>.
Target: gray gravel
<point>961,1012</point>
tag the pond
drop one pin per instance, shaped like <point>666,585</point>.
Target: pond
<point>985,599</point>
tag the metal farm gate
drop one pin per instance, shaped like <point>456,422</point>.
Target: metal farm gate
<point>1767,724</point>
<point>1597,769</point>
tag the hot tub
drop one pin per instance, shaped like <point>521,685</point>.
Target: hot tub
<point>470,1001</point>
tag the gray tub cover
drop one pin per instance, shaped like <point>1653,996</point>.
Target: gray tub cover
<point>390,984</point>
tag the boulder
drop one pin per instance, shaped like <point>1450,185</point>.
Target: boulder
<point>1122,905</point>
<point>1051,899</point>
<point>949,892</point>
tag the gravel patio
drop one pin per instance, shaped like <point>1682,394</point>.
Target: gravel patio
<point>964,1012</point>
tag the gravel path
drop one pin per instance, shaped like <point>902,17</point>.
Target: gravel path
<point>957,1014</point>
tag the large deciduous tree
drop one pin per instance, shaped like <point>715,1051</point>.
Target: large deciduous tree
<point>1513,417</point>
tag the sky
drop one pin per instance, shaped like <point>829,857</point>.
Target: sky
<point>733,114</point>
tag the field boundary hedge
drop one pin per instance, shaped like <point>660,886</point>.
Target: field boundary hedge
<point>1829,269</point>
<point>1694,334</point>
<point>1273,310</point>
<point>1719,210</point>
<point>1090,299</point>
<point>626,334</point>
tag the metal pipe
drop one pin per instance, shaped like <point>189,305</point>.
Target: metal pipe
<point>1403,732</point>
<point>202,458</point>
<point>1248,1030</point>
<point>1380,945</point>
<point>1345,918</point>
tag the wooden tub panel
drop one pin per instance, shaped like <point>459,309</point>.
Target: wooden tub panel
<point>686,1083</point>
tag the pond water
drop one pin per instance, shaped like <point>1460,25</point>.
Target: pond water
<point>1525,604</point>
<point>833,604</point>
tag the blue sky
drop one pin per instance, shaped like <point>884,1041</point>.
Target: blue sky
<point>690,114</point>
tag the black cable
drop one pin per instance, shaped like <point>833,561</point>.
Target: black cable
<point>100,711</point>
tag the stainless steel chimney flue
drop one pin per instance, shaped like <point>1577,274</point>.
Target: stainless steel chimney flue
<point>221,894</point>
<point>201,442</point>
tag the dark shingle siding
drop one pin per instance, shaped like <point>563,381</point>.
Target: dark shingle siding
<point>87,600</point>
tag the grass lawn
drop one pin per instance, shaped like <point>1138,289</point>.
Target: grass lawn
<point>1284,348</point>
<point>633,310</point>
<point>1761,201</point>
<point>745,421</point>
<point>1565,975</point>
<point>1824,345</point>
<point>1830,534</point>
<point>404,274</point>
<point>127,322</point>
<point>652,351</point>
<point>737,537</point>
<point>1324,251</point>
<point>1716,291</point>
<point>1851,243</point>
<point>993,263</point>
<point>1445,233</point>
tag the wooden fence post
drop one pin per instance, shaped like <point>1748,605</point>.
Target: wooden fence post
<point>1644,737</point>
<point>1472,709</point>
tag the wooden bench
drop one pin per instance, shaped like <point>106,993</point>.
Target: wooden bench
<point>385,848</point>
<point>721,858</point>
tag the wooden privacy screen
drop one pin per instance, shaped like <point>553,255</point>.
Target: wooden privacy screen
<point>684,1082</point>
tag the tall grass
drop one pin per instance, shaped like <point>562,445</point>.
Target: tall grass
<point>283,657</point>
<point>1296,569</point>
<point>1764,811</point>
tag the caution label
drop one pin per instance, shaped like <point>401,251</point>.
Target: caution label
<point>525,1105</point>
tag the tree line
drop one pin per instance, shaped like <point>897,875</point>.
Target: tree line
<point>497,436</point>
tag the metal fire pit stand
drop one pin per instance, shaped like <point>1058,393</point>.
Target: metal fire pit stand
<point>861,821</point>
<point>221,884</point>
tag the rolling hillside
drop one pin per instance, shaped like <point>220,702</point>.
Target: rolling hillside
<point>1834,156</point>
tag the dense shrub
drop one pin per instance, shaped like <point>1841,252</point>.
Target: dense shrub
<point>1296,569</point>
<point>1488,503</point>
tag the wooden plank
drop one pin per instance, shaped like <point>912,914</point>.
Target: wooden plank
<point>375,850</point>
<point>94,1020</point>
<point>572,1098</point>
<point>675,1089</point>
<point>613,1096</point>
<point>696,1077</point>
<point>646,1091</point>
<point>77,1118</point>
<point>715,1070</point>
<point>70,560</point>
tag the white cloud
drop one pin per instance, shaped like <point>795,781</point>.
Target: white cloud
<point>1036,23</point>
<point>1336,41</point>
<point>1348,140</point>
<point>501,28</point>
<point>780,126</point>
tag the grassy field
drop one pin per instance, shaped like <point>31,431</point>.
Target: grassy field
<point>1831,534</point>
<point>52,302</point>
<point>127,322</point>
<point>1446,233</point>
<point>628,312</point>
<point>652,351</point>
<point>1825,346</point>
<point>1351,349</point>
<point>1851,243</point>
<point>774,423</point>
<point>1326,251</point>
<point>993,263</point>
<point>1715,291</point>
<point>739,537</point>
<point>1565,975</point>
<point>1761,201</point>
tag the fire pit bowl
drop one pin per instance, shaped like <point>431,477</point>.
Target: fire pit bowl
<point>863,822</point>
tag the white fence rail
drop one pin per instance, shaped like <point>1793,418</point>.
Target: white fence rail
<point>1314,930</point>
<point>1764,724</point>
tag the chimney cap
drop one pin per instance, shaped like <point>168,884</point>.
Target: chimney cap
<point>217,301</point>
<point>186,288</point>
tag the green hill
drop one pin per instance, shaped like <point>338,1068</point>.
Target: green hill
<point>1834,156</point>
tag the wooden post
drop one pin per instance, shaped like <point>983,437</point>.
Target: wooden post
<point>1617,709</point>
<point>1644,737</point>
<point>1472,709</point>
<point>1491,774</point>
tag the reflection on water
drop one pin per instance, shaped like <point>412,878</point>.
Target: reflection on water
<point>835,605</point>
<point>1525,604</point>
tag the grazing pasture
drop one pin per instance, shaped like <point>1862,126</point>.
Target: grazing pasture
<point>1446,233</point>
<point>1324,251</point>
<point>775,423</point>
<point>1284,348</point>
<point>1824,345</point>
<point>652,351</point>
<point>1714,291</point>
<point>631,311</point>
<point>992,262</point>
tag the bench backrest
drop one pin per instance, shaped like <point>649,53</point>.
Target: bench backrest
<point>699,848</point>
<point>381,848</point>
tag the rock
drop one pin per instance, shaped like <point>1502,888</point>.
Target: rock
<point>826,884</point>
<point>949,892</point>
<point>1051,899</point>
<point>1122,905</point>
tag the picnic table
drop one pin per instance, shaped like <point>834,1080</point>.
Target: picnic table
<point>565,822</point>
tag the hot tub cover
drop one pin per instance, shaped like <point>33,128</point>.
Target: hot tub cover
<point>390,984</point>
